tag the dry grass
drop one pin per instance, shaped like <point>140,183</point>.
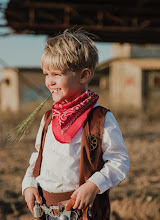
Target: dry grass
<point>137,198</point>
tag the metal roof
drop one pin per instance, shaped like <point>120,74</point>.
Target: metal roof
<point>134,21</point>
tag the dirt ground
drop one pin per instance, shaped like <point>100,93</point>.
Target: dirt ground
<point>136,198</point>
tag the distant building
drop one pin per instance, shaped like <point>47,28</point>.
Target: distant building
<point>21,86</point>
<point>133,82</point>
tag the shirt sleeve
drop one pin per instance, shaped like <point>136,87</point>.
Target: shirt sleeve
<point>29,180</point>
<point>115,156</point>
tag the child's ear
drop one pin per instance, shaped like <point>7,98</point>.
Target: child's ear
<point>85,75</point>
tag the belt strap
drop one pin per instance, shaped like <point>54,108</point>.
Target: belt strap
<point>52,199</point>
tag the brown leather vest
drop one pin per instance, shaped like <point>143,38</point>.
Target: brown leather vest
<point>90,157</point>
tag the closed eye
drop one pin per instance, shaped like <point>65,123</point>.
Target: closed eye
<point>57,74</point>
<point>46,74</point>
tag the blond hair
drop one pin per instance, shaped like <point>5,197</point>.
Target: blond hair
<point>70,50</point>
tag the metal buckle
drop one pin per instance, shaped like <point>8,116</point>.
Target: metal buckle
<point>48,210</point>
<point>62,215</point>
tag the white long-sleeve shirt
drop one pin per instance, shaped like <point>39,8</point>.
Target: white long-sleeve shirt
<point>61,162</point>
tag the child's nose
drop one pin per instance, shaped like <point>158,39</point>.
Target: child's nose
<point>51,81</point>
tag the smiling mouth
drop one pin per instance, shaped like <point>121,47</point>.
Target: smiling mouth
<point>55,90</point>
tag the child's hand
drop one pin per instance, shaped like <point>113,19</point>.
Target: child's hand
<point>85,195</point>
<point>31,193</point>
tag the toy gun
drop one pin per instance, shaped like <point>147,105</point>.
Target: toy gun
<point>37,211</point>
<point>63,211</point>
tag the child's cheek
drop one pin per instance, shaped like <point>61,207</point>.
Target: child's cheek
<point>47,85</point>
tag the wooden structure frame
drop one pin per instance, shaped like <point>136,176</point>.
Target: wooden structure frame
<point>133,21</point>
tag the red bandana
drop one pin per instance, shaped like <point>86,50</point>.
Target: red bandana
<point>69,117</point>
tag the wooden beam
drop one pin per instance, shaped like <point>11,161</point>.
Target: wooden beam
<point>90,27</point>
<point>67,11</point>
<point>100,17</point>
<point>46,15</point>
<point>138,38</point>
<point>144,24</point>
<point>136,21</point>
<point>14,15</point>
<point>123,20</point>
<point>86,19</point>
<point>31,15</point>
<point>141,3</point>
<point>116,19</point>
<point>127,8</point>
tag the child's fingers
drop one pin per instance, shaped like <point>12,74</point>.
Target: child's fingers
<point>38,198</point>
<point>74,194</point>
<point>70,204</point>
<point>30,202</point>
<point>84,204</point>
<point>30,205</point>
<point>77,203</point>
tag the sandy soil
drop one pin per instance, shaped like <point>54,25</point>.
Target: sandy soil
<point>136,198</point>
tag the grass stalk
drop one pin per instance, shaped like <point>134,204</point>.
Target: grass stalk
<point>17,134</point>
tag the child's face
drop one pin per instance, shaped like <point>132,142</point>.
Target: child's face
<point>65,85</point>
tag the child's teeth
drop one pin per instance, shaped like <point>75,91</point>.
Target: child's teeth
<point>56,90</point>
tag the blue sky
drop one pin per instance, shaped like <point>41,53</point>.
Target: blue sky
<point>26,50</point>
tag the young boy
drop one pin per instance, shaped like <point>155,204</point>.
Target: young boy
<point>80,152</point>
